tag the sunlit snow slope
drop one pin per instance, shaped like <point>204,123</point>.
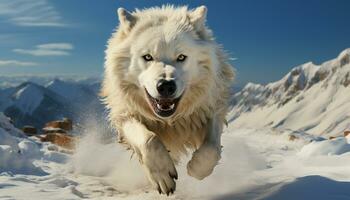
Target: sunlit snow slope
<point>311,98</point>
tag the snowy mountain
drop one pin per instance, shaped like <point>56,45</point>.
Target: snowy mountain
<point>28,98</point>
<point>72,91</point>
<point>12,81</point>
<point>34,104</point>
<point>82,97</point>
<point>311,98</point>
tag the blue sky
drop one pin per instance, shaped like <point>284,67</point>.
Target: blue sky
<point>268,37</point>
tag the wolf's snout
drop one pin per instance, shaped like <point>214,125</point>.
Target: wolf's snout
<point>165,104</point>
<point>166,88</point>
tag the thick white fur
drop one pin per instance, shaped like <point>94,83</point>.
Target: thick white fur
<point>203,80</point>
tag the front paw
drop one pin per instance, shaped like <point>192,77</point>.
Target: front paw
<point>159,166</point>
<point>203,161</point>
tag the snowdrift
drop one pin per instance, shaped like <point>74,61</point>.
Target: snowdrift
<point>17,153</point>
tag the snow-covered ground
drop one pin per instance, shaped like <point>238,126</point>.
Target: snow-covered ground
<point>256,164</point>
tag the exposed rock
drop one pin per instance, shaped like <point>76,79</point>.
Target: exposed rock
<point>62,140</point>
<point>293,137</point>
<point>295,72</point>
<point>65,124</point>
<point>287,84</point>
<point>332,137</point>
<point>344,60</point>
<point>29,130</point>
<point>319,76</point>
<point>346,80</point>
<point>346,133</point>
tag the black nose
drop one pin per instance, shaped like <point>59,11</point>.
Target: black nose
<point>166,88</point>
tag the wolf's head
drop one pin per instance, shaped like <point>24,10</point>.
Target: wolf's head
<point>166,56</point>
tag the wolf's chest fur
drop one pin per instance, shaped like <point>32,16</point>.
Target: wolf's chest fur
<point>183,134</point>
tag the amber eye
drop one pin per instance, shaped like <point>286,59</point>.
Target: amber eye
<point>181,58</point>
<point>147,57</point>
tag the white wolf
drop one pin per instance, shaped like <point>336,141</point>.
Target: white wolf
<point>167,85</point>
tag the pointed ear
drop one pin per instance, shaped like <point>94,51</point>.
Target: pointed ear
<point>126,19</point>
<point>198,17</point>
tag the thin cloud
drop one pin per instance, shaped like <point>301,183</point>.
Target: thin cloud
<point>16,63</point>
<point>50,49</point>
<point>32,13</point>
<point>62,46</point>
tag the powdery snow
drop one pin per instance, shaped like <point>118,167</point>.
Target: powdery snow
<point>17,153</point>
<point>336,146</point>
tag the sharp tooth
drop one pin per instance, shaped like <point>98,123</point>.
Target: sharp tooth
<point>172,106</point>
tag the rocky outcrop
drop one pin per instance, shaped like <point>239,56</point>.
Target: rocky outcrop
<point>346,133</point>
<point>346,80</point>
<point>58,126</point>
<point>57,132</point>
<point>60,139</point>
<point>30,130</point>
<point>345,60</point>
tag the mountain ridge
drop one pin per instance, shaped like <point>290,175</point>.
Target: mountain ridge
<point>33,104</point>
<point>279,104</point>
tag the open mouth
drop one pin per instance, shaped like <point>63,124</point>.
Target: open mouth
<point>163,107</point>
